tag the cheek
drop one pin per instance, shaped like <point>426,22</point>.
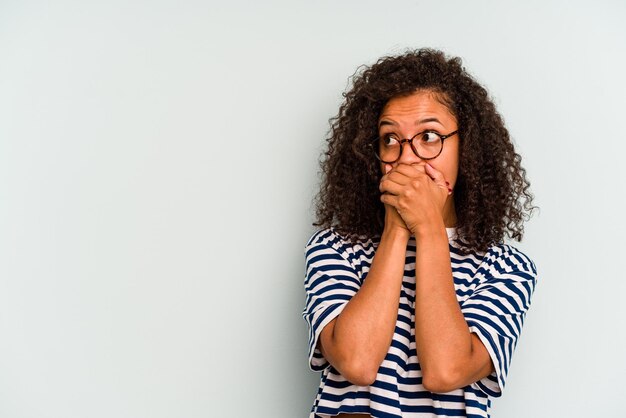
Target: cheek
<point>448,167</point>
<point>382,167</point>
<point>452,171</point>
<point>450,164</point>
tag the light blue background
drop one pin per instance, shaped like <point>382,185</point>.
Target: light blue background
<point>157,164</point>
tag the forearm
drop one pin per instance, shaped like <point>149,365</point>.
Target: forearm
<point>443,340</point>
<point>357,341</point>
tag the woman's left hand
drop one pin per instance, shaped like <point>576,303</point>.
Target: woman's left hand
<point>418,192</point>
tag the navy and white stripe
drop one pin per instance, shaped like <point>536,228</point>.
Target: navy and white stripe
<point>493,290</point>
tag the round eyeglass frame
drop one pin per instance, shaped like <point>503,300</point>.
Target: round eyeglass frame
<point>375,143</point>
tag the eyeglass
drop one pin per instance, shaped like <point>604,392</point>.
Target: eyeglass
<point>426,145</point>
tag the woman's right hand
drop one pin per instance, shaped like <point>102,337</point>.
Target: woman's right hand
<point>357,340</point>
<point>393,220</point>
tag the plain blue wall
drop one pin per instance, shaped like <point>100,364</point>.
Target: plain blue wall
<point>157,165</point>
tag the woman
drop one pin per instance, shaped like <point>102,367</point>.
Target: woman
<point>414,303</point>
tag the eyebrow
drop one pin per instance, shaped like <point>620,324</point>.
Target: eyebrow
<point>419,122</point>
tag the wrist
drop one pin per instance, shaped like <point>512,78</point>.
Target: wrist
<point>396,233</point>
<point>431,230</point>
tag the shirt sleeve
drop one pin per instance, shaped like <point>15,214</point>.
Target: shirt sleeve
<point>496,310</point>
<point>329,284</point>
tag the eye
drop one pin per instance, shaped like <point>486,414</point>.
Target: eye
<point>389,140</point>
<point>430,137</point>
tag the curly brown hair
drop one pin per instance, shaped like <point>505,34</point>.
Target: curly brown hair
<point>492,197</point>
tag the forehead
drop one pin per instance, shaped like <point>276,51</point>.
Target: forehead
<point>417,106</point>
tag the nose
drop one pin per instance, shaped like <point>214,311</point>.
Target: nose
<point>408,156</point>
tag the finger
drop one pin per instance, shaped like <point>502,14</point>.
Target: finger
<point>438,178</point>
<point>389,199</point>
<point>436,175</point>
<point>396,177</point>
<point>389,186</point>
<point>412,171</point>
<point>391,174</point>
<point>420,167</point>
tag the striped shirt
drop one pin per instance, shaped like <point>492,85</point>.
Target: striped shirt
<point>493,290</point>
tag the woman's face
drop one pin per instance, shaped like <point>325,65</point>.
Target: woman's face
<point>406,116</point>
